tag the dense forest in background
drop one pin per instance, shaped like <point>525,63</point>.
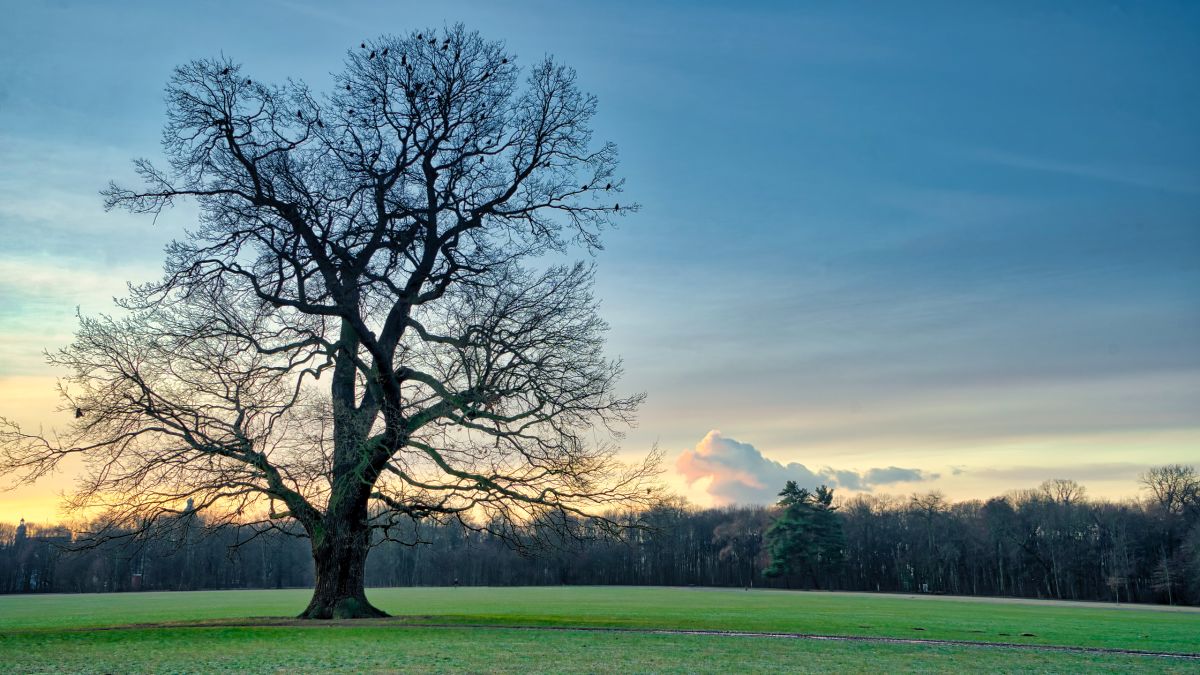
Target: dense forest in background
<point>1048,542</point>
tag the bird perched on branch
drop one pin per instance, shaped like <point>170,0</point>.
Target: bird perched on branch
<point>225,72</point>
<point>78,413</point>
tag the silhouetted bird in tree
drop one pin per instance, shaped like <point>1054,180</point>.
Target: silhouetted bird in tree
<point>225,72</point>
<point>362,45</point>
<point>320,124</point>
<point>404,59</point>
<point>385,51</point>
<point>584,187</point>
<point>299,115</point>
<point>248,83</point>
<point>372,55</point>
<point>420,36</point>
<point>78,413</point>
<point>616,207</point>
<point>347,87</point>
<point>608,187</point>
<point>503,60</point>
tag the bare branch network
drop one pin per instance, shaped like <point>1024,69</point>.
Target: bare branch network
<point>358,328</point>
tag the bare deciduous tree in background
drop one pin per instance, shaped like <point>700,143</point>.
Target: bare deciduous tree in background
<point>357,332</point>
<point>1175,487</point>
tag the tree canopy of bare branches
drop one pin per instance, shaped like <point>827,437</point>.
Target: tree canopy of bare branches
<point>362,328</point>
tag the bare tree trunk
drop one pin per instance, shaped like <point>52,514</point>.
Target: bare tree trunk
<point>342,539</point>
<point>340,545</point>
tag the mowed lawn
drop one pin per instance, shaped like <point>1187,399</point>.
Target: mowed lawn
<point>51,633</point>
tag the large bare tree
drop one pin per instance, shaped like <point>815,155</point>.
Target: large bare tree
<point>365,327</point>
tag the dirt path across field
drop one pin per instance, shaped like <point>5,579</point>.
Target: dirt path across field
<point>408,622</point>
<point>1039,602</point>
<point>991,600</point>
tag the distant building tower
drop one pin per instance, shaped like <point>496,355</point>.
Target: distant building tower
<point>21,531</point>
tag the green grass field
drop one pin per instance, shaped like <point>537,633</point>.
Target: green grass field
<point>486,629</point>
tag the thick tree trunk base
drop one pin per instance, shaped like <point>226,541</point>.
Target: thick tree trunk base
<point>355,606</point>
<point>340,557</point>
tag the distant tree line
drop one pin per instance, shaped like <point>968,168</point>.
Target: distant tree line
<point>1048,542</point>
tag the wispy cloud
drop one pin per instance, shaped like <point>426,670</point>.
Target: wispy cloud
<point>51,204</point>
<point>1142,176</point>
<point>38,300</point>
<point>1032,475</point>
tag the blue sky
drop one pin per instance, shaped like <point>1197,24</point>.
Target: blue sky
<point>957,238</point>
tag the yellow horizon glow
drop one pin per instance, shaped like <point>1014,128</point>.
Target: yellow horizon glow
<point>32,401</point>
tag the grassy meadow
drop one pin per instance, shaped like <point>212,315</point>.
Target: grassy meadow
<point>480,629</point>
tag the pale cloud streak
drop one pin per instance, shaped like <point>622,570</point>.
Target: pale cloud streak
<point>39,298</point>
<point>1141,176</point>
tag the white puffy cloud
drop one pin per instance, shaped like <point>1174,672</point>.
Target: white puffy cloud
<point>739,473</point>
